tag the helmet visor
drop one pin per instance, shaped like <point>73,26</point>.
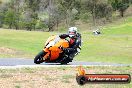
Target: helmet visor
<point>71,34</point>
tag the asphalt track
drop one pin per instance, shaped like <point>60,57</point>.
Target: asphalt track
<point>29,62</point>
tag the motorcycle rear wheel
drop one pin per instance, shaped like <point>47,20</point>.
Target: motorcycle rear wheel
<point>65,61</point>
<point>39,58</point>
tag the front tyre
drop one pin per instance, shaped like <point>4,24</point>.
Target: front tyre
<point>39,57</point>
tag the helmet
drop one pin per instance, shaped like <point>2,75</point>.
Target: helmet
<point>72,32</point>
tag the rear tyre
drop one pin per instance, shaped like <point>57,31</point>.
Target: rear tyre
<point>39,58</point>
<point>65,61</point>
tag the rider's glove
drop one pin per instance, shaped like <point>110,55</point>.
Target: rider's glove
<point>63,36</point>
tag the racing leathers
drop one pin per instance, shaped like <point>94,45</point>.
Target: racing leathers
<point>74,45</point>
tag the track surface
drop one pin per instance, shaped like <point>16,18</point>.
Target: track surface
<point>22,61</point>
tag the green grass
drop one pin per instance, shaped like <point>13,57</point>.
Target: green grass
<point>113,45</point>
<point>30,43</point>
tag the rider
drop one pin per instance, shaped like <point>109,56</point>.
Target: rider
<point>75,42</point>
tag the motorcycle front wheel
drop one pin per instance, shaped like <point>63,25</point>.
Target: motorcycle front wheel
<point>39,57</point>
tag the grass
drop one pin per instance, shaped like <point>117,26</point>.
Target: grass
<point>29,43</point>
<point>66,78</point>
<point>114,45</point>
<point>57,77</point>
<point>17,86</point>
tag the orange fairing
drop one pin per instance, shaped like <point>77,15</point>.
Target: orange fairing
<point>53,52</point>
<point>62,43</point>
<point>48,53</point>
<point>50,39</point>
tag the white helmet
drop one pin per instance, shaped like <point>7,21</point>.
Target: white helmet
<point>72,31</point>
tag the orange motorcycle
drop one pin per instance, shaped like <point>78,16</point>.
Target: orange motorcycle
<point>52,53</point>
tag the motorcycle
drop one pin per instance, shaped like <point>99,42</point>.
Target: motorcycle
<point>52,53</point>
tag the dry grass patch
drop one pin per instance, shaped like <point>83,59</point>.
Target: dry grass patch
<point>56,77</point>
<point>4,50</point>
<point>10,52</point>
